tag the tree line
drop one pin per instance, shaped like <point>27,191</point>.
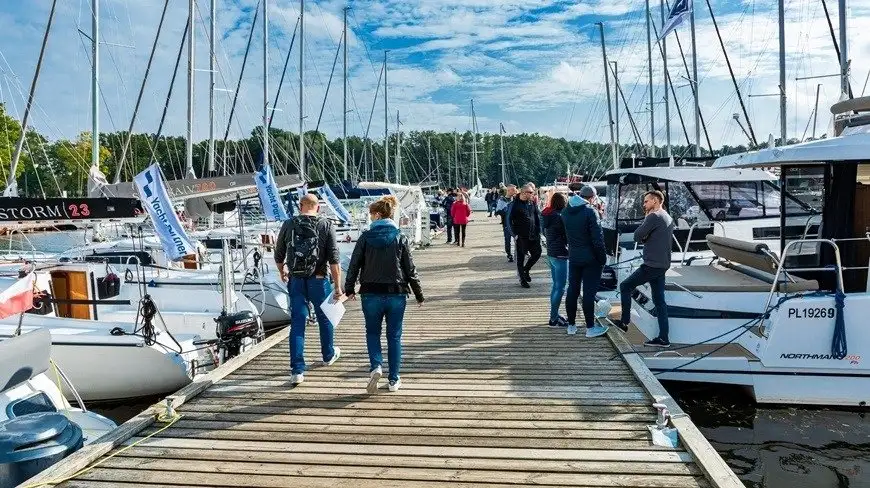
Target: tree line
<point>48,168</point>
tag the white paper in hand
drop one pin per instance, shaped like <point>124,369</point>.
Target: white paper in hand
<point>333,309</point>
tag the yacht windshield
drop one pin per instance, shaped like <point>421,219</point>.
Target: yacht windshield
<point>739,200</point>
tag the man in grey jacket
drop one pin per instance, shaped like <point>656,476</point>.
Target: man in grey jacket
<point>656,233</point>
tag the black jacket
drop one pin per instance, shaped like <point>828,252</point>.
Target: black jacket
<point>327,247</point>
<point>447,204</point>
<point>585,238</point>
<point>382,263</point>
<point>525,219</point>
<point>554,231</point>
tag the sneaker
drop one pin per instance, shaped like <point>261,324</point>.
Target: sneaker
<point>525,284</point>
<point>296,379</point>
<point>374,376</point>
<point>620,325</point>
<point>572,329</point>
<point>658,342</point>
<point>334,357</point>
<point>595,331</point>
<point>395,385</point>
<point>563,322</point>
<point>510,259</point>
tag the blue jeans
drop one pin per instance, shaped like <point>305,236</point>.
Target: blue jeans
<point>375,309</point>
<point>302,291</point>
<point>508,241</point>
<point>590,278</point>
<point>656,279</point>
<point>559,273</point>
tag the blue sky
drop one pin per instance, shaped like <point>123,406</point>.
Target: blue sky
<point>533,65</point>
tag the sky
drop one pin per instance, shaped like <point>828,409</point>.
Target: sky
<point>532,65</point>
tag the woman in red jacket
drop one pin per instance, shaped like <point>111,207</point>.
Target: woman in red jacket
<point>460,211</point>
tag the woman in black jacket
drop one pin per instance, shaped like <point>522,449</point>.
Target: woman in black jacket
<point>557,254</point>
<point>383,264</point>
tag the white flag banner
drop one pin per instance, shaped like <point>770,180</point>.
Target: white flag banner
<point>334,203</point>
<point>270,198</point>
<point>152,192</point>
<point>681,11</point>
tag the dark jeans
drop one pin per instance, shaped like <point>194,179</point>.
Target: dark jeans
<point>491,206</point>
<point>590,277</point>
<point>459,230</point>
<point>302,291</point>
<point>508,242</point>
<point>533,248</point>
<point>375,309</point>
<point>656,279</point>
<point>449,229</point>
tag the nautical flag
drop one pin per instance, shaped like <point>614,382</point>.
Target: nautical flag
<point>681,10</point>
<point>270,198</point>
<point>152,192</point>
<point>332,201</point>
<point>18,298</point>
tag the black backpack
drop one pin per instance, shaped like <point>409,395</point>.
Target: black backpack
<point>304,237</point>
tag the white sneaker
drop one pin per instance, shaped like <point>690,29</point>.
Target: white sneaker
<point>572,329</point>
<point>334,357</point>
<point>375,375</point>
<point>395,385</point>
<point>296,379</point>
<point>596,331</point>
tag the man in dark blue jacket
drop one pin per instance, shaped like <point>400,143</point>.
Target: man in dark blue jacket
<point>586,258</point>
<point>447,204</point>
<point>503,209</point>
<point>525,222</point>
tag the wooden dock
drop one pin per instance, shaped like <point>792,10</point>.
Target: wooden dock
<point>491,397</point>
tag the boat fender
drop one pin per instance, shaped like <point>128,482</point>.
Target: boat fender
<point>839,348</point>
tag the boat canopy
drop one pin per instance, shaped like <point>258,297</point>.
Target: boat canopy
<point>852,146</point>
<point>685,174</point>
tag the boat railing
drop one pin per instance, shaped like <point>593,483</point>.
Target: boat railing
<point>696,225</point>
<point>780,270</point>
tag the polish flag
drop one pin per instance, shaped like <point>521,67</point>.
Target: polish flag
<point>18,298</point>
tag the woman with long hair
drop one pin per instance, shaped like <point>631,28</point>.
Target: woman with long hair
<point>557,254</point>
<point>460,211</point>
<point>383,264</point>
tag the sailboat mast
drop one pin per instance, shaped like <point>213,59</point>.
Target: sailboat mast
<point>616,100</point>
<point>652,110</point>
<point>11,185</point>
<point>191,52</point>
<point>344,100</point>
<point>95,84</point>
<point>844,56</point>
<point>398,150</point>
<point>501,142</point>
<point>386,124</point>
<point>609,102</point>
<point>302,174</point>
<point>211,70</point>
<point>474,175</point>
<point>265,82</point>
<point>664,42</point>
<point>782,101</point>
<point>695,84</point>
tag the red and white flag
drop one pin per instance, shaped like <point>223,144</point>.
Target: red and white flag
<point>18,298</point>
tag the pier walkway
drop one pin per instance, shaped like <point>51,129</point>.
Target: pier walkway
<point>491,397</point>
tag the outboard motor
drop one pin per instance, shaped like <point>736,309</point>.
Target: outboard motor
<point>233,329</point>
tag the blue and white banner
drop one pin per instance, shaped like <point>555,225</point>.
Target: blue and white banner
<point>270,198</point>
<point>681,11</point>
<point>152,192</point>
<point>329,197</point>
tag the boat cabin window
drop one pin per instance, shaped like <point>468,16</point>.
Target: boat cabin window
<point>679,202</point>
<point>740,200</point>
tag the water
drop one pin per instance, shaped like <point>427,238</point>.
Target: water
<point>781,447</point>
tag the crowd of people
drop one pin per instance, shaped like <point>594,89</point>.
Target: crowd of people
<point>307,258</point>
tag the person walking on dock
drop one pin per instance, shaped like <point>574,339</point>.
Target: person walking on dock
<point>383,264</point>
<point>656,233</point>
<point>586,258</point>
<point>447,204</point>
<point>557,254</point>
<point>503,210</point>
<point>460,211</point>
<point>525,222</point>
<point>491,199</point>
<point>307,245</point>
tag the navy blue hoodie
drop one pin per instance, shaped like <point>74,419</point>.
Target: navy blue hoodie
<point>585,238</point>
<point>554,231</point>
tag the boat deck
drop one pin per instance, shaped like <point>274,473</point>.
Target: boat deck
<point>491,397</point>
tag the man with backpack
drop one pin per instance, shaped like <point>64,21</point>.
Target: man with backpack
<point>307,245</point>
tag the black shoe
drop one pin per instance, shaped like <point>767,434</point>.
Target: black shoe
<point>525,284</point>
<point>449,242</point>
<point>559,322</point>
<point>527,276</point>
<point>620,324</point>
<point>510,259</point>
<point>658,342</point>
